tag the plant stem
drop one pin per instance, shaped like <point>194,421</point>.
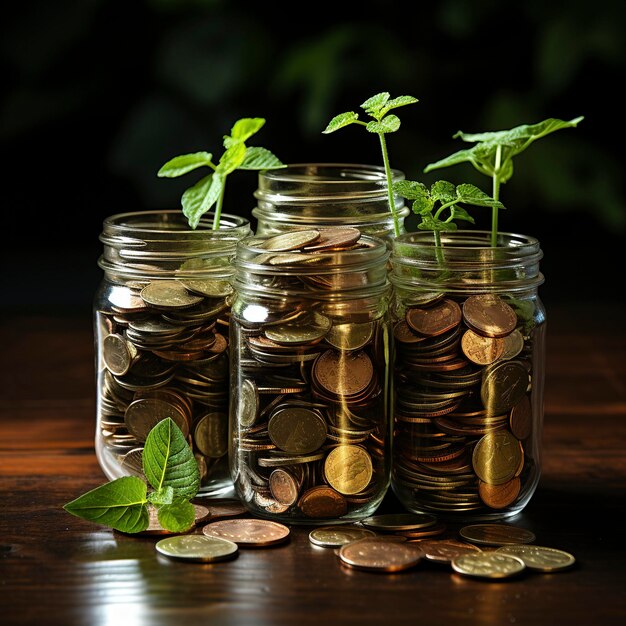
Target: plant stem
<point>218,207</point>
<point>392,203</point>
<point>439,248</point>
<point>496,196</point>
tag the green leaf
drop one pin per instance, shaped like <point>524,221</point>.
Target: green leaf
<point>120,504</point>
<point>459,213</point>
<point>389,124</point>
<point>431,223</point>
<point>341,120</point>
<point>443,191</point>
<point>162,496</point>
<point>423,205</point>
<point>470,194</point>
<point>246,127</point>
<point>410,189</point>
<point>523,132</point>
<point>169,462</point>
<point>197,200</point>
<point>178,516</point>
<point>372,106</point>
<point>462,156</point>
<point>260,159</point>
<point>185,163</point>
<point>231,159</point>
<point>400,101</point>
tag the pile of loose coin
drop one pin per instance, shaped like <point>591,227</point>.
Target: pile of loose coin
<point>310,412</point>
<point>164,354</point>
<point>463,380</point>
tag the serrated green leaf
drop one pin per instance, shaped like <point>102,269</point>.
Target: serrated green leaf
<point>400,101</point>
<point>423,205</point>
<point>169,461</point>
<point>231,159</point>
<point>162,496</point>
<point>197,200</point>
<point>178,516</point>
<point>260,159</point>
<point>459,213</point>
<point>410,189</point>
<point>373,105</point>
<point>389,124</point>
<point>246,127</point>
<point>429,222</point>
<point>443,191</point>
<point>120,504</point>
<point>185,163</point>
<point>462,156</point>
<point>470,194</point>
<point>341,120</point>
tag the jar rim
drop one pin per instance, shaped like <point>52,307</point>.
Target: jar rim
<point>362,173</point>
<point>469,240</point>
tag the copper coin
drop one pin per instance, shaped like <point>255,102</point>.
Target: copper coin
<point>248,533</point>
<point>499,496</point>
<point>496,534</point>
<point>489,315</point>
<point>297,430</point>
<point>379,554</point>
<point>284,486</point>
<point>445,550</point>
<point>481,350</point>
<point>322,502</point>
<point>522,418</point>
<point>496,457</point>
<point>343,373</point>
<point>503,386</point>
<point>402,333</point>
<point>435,320</point>
<point>334,239</point>
<point>118,354</point>
<point>293,240</point>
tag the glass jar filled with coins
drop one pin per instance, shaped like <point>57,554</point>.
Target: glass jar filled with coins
<point>324,195</point>
<point>310,373</point>
<point>468,373</point>
<point>161,334</point>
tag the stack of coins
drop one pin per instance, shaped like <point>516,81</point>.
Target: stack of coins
<point>309,403</point>
<point>163,348</point>
<point>463,417</point>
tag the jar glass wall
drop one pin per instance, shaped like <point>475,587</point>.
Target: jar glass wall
<point>310,371</point>
<point>468,373</point>
<point>321,195</point>
<point>161,338</point>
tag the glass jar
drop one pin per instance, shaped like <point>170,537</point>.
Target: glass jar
<point>323,195</point>
<point>469,333</point>
<point>310,372</point>
<point>161,335</point>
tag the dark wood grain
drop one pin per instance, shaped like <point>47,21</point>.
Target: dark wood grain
<point>56,569</point>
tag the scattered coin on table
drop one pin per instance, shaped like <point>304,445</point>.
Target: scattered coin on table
<point>540,558</point>
<point>488,565</point>
<point>337,536</point>
<point>197,548</point>
<point>248,533</point>
<point>380,554</point>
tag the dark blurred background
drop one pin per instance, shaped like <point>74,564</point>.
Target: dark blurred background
<point>98,94</point>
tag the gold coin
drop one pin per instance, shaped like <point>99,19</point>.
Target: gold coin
<point>168,294</point>
<point>496,457</point>
<point>294,240</point>
<point>211,435</point>
<point>513,345</point>
<point>118,354</point>
<point>197,548</point>
<point>499,496</point>
<point>503,386</point>
<point>284,487</point>
<point>343,374</point>
<point>348,469</point>
<point>350,336</point>
<point>297,430</point>
<point>302,332</point>
<point>445,550</point>
<point>481,350</point>
<point>337,536</point>
<point>489,315</point>
<point>335,239</point>
<point>540,558</point>
<point>488,565</point>
<point>254,533</point>
<point>496,534</point>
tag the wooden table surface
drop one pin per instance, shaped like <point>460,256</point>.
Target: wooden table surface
<point>57,569</point>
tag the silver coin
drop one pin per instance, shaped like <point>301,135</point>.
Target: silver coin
<point>198,548</point>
